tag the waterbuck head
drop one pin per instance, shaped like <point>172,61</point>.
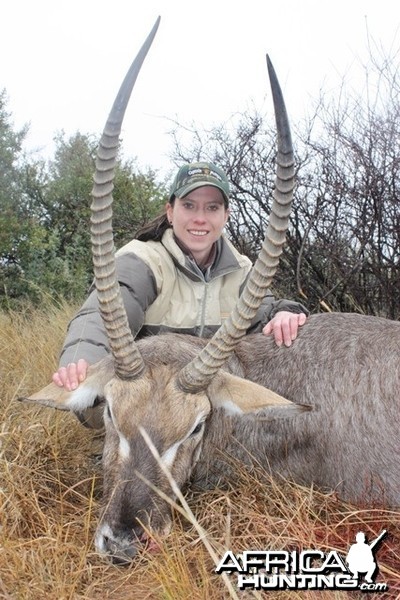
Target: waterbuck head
<point>165,395</point>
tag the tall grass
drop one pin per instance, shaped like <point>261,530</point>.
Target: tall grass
<point>50,490</point>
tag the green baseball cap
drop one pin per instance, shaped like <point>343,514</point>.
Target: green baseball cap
<point>194,175</point>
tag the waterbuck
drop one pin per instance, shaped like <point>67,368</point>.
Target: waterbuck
<point>324,411</point>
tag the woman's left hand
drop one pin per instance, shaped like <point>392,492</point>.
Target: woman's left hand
<point>284,327</point>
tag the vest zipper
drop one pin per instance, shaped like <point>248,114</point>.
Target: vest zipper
<point>203,310</point>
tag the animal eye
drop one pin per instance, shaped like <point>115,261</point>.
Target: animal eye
<point>198,428</point>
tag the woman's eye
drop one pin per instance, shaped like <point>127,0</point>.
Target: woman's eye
<point>197,429</point>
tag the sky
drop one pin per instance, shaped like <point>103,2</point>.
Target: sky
<point>62,62</point>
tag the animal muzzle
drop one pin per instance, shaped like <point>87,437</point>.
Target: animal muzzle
<point>121,543</point>
<point>121,546</point>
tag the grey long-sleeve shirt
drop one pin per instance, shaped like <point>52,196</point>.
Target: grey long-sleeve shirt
<point>163,290</point>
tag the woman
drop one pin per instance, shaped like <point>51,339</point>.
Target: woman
<point>180,274</point>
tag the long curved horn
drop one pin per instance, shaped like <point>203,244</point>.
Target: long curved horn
<point>199,372</point>
<point>128,361</point>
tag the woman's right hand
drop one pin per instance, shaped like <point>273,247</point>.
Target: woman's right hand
<point>72,375</point>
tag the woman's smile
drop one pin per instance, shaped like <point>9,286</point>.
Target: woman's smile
<point>198,220</point>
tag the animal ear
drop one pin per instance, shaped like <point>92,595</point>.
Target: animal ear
<point>240,396</point>
<point>83,397</point>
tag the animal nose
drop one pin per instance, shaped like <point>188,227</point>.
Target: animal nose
<point>122,557</point>
<point>120,546</point>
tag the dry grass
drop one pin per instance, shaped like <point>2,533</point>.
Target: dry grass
<point>50,488</point>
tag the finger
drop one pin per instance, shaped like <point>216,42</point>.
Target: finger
<point>267,330</point>
<point>286,332</point>
<point>82,368</point>
<point>297,322</point>
<point>294,327</point>
<point>302,319</point>
<point>60,377</point>
<point>72,382</point>
<point>277,332</point>
<point>57,379</point>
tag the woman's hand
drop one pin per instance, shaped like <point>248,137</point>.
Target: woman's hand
<point>284,327</point>
<point>72,375</point>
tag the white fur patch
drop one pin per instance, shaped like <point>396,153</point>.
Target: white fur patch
<point>83,397</point>
<point>230,407</point>
<point>124,447</point>
<point>104,532</point>
<point>169,455</point>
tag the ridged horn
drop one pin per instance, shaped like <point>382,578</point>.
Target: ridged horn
<point>128,360</point>
<point>198,373</point>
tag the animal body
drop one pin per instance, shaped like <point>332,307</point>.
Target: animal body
<point>338,429</point>
<point>324,411</point>
<point>345,368</point>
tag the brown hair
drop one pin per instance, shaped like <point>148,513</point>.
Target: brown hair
<point>154,229</point>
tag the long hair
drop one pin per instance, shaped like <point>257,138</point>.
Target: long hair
<point>154,229</point>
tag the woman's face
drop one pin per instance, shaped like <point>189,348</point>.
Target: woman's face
<point>198,220</point>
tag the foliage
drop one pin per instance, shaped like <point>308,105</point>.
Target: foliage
<point>44,217</point>
<point>13,216</point>
<point>343,246</point>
